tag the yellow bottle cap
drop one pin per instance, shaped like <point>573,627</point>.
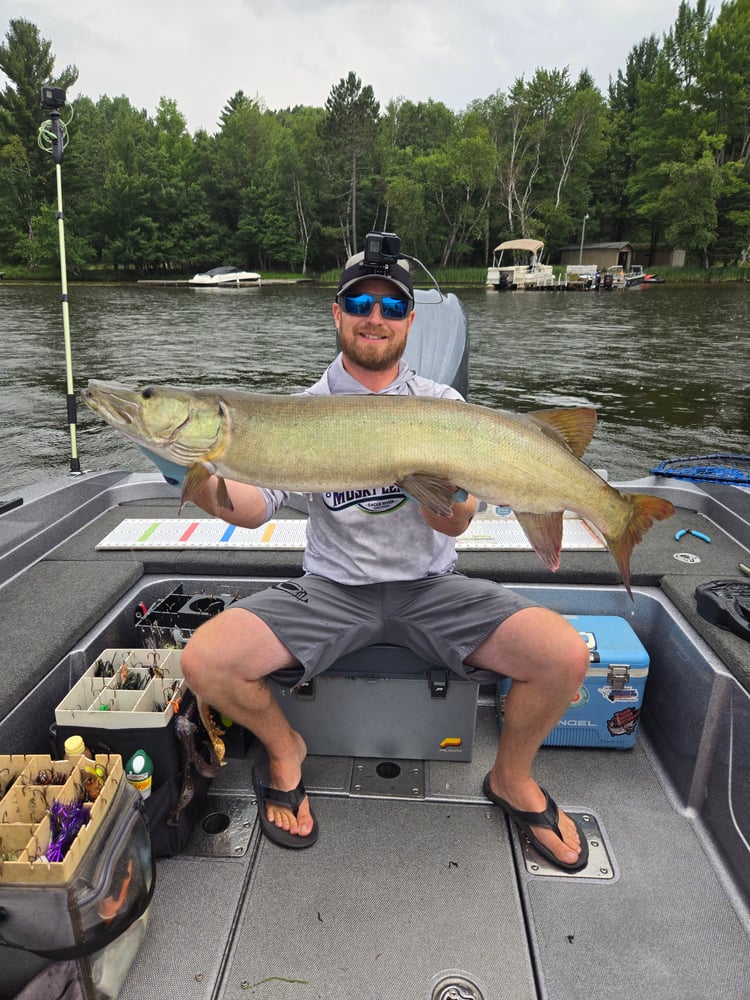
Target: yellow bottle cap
<point>75,745</point>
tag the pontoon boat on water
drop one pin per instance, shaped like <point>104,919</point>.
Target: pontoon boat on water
<point>531,274</point>
<point>417,886</point>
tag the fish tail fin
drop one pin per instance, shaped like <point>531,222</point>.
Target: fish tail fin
<point>644,511</point>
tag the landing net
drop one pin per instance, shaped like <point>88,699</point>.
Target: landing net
<point>721,468</point>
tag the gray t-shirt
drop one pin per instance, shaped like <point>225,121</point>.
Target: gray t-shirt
<point>343,541</point>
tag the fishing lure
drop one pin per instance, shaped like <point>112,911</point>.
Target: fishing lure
<point>66,820</point>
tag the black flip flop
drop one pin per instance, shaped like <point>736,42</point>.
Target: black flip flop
<point>548,820</point>
<point>290,800</point>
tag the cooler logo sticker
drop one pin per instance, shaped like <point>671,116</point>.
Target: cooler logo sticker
<point>623,723</point>
<point>621,695</point>
<point>580,698</point>
<point>378,500</point>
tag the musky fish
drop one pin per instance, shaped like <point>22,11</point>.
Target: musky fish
<point>316,444</point>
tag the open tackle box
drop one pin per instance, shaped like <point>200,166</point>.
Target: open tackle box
<point>607,707</point>
<point>81,917</point>
<point>126,701</point>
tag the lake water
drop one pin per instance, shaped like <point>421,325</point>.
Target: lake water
<point>667,367</point>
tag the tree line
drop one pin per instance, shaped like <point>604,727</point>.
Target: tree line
<point>661,158</point>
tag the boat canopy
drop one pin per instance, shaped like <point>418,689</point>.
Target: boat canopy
<point>533,246</point>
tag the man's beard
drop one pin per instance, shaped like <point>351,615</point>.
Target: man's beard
<point>373,358</point>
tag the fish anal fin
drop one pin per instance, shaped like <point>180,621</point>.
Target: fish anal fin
<point>645,510</point>
<point>574,425</point>
<point>544,531</point>
<point>432,491</point>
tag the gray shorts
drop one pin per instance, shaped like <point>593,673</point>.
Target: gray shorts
<point>443,619</point>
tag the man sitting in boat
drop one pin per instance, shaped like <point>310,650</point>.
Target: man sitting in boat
<point>384,579</point>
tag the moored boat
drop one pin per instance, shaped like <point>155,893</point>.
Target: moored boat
<point>531,274</point>
<point>620,278</point>
<point>225,277</point>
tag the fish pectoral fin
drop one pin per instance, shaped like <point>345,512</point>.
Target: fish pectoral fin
<point>544,531</point>
<point>433,492</point>
<point>222,494</point>
<point>195,479</point>
<point>573,425</point>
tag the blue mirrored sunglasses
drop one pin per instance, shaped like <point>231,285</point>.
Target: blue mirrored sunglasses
<point>362,305</point>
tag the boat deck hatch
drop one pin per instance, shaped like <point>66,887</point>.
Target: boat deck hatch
<point>600,864</point>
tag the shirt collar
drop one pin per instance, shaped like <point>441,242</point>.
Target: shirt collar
<point>341,382</point>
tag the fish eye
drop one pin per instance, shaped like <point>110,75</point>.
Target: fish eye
<point>148,392</point>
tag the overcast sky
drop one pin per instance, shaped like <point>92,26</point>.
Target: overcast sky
<point>289,52</point>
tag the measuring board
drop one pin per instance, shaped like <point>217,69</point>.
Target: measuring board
<point>211,533</point>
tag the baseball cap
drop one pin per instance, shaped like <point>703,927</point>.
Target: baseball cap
<point>397,273</point>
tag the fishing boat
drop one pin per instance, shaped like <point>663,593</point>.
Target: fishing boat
<point>620,278</point>
<point>529,274</point>
<point>225,277</point>
<point>417,886</point>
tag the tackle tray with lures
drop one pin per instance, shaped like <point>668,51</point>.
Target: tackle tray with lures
<point>172,619</point>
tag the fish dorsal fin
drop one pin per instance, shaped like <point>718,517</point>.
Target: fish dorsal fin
<point>544,531</point>
<point>572,425</point>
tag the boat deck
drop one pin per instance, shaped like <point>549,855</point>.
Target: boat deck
<point>417,886</point>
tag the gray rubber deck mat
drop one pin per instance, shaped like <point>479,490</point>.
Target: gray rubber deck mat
<point>190,922</point>
<point>664,928</point>
<point>383,905</point>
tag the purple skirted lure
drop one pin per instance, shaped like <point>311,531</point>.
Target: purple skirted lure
<point>66,819</point>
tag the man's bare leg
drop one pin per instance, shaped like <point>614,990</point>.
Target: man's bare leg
<point>547,660</point>
<point>225,663</point>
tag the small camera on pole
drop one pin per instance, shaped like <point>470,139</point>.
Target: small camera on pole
<point>53,98</point>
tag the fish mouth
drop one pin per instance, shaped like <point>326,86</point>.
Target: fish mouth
<point>117,403</point>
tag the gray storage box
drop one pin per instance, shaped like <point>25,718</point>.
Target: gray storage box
<point>384,701</point>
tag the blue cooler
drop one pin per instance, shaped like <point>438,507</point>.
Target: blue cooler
<point>607,707</point>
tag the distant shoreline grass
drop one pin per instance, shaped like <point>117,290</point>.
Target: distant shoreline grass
<point>445,276</point>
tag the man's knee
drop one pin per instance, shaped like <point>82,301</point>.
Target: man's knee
<point>576,658</point>
<point>213,646</point>
<point>193,664</point>
<point>534,643</point>
<point>236,645</point>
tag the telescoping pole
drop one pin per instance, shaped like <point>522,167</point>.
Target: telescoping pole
<point>53,133</point>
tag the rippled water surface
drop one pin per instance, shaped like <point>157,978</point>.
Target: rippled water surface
<point>667,367</point>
